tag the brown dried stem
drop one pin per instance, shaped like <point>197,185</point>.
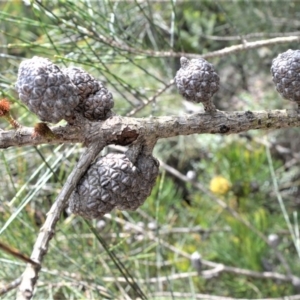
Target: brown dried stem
<point>16,253</point>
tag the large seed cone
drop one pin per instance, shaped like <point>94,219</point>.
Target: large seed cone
<point>113,181</point>
<point>197,80</point>
<point>95,100</point>
<point>46,90</point>
<point>285,70</point>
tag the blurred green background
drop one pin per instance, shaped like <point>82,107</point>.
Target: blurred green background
<point>130,46</point>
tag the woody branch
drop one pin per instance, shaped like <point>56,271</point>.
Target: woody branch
<point>118,130</point>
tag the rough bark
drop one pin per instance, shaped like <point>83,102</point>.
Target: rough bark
<point>123,130</point>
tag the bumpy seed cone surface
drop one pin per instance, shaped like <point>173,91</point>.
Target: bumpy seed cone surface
<point>285,70</point>
<point>113,181</point>
<point>46,90</point>
<point>95,100</point>
<point>97,106</point>
<point>197,80</point>
<point>85,83</point>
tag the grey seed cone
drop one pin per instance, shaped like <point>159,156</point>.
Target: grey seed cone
<point>97,106</point>
<point>46,90</point>
<point>285,70</point>
<point>85,83</point>
<point>197,80</point>
<point>113,181</point>
<point>95,100</point>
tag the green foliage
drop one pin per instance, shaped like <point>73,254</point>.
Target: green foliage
<point>242,247</point>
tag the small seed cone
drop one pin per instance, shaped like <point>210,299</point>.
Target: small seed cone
<point>285,70</point>
<point>197,81</point>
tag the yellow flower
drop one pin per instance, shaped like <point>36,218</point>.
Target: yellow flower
<point>219,185</point>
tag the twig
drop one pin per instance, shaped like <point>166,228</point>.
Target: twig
<point>220,268</point>
<point>225,51</point>
<point>31,272</point>
<point>251,45</point>
<point>185,230</point>
<point>217,268</point>
<point>211,297</point>
<point>12,285</point>
<point>102,291</point>
<point>250,35</point>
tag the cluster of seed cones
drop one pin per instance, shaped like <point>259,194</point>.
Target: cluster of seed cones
<point>113,180</point>
<point>54,94</point>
